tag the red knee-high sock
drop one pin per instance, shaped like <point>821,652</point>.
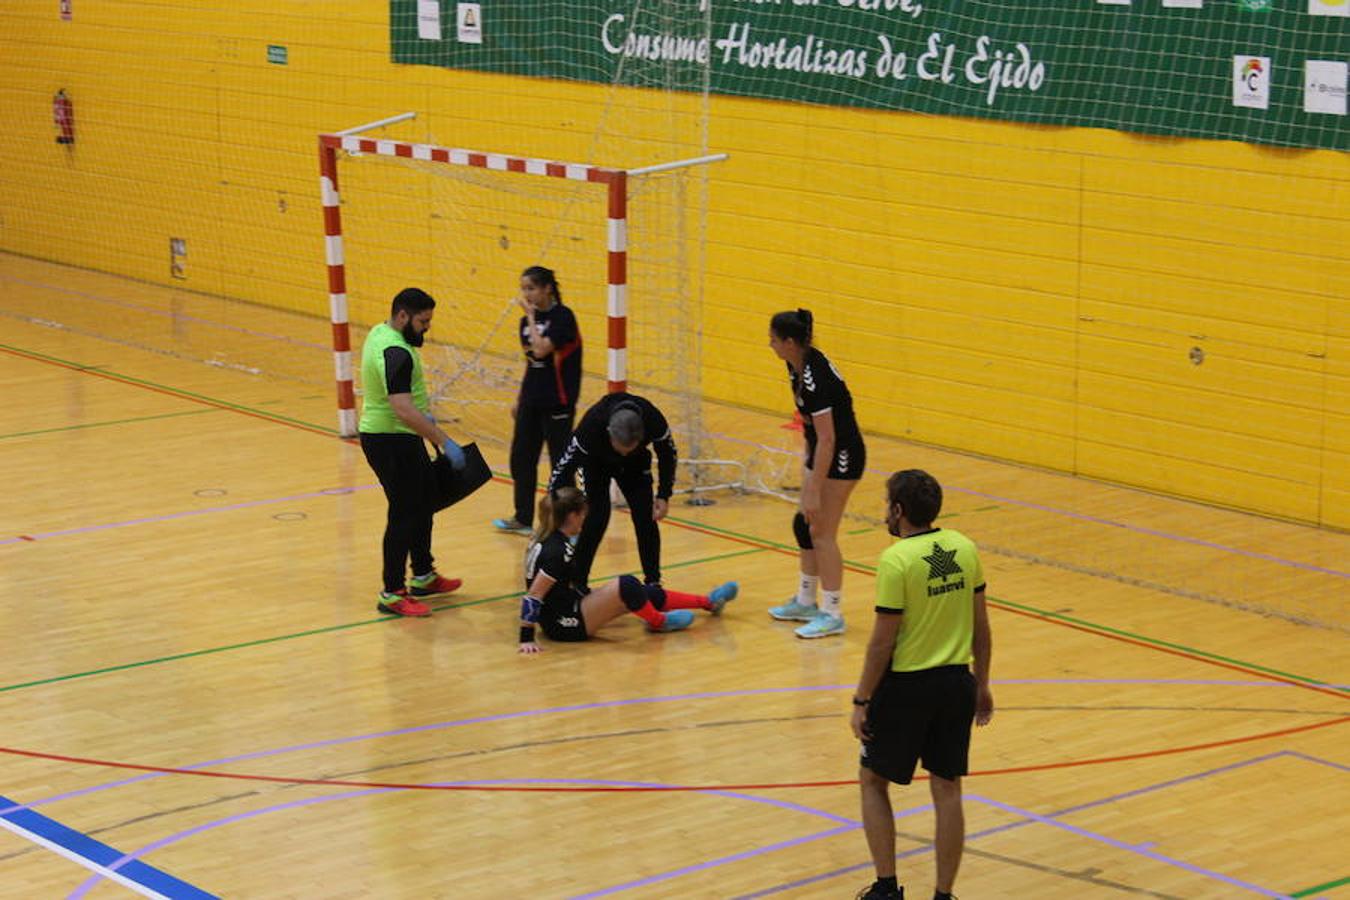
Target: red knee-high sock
<point>650,614</point>
<point>678,600</point>
<point>638,598</point>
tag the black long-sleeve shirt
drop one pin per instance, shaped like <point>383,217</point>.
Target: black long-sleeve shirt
<point>590,444</point>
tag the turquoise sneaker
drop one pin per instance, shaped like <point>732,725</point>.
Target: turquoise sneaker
<point>823,625</point>
<point>721,595</point>
<point>676,620</point>
<point>511,526</point>
<point>792,611</point>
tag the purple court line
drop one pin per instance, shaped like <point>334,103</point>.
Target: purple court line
<point>1030,819</point>
<point>1130,848</point>
<point>166,517</point>
<point>605,704</point>
<point>737,857</point>
<point>418,729</point>
<point>1096,520</point>
<point>92,881</point>
<point>849,825</point>
<point>1000,828</point>
<point>169,314</point>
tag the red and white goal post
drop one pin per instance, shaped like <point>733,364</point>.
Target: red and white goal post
<point>615,181</point>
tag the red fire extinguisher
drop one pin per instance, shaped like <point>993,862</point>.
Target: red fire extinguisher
<point>63,116</point>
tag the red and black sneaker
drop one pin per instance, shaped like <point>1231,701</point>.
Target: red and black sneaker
<point>432,585</point>
<point>400,604</point>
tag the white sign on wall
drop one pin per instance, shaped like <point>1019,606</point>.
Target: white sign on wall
<point>1324,86</point>
<point>1251,82</point>
<point>429,20</point>
<point>1329,7</point>
<point>469,23</point>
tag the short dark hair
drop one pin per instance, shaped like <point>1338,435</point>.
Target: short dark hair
<point>795,325</point>
<point>625,425</point>
<point>918,495</point>
<point>412,300</point>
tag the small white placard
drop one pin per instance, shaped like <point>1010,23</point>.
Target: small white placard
<point>1113,2</point>
<point>1329,8</point>
<point>429,20</point>
<point>1251,82</point>
<point>469,23</point>
<point>1184,4</point>
<point>1324,84</point>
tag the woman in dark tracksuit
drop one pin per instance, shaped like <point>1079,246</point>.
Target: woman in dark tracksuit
<point>547,404</point>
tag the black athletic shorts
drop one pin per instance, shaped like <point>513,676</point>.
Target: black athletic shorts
<point>848,463</point>
<point>924,715</point>
<point>561,616</point>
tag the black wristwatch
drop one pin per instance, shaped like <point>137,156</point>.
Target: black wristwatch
<point>858,702</point>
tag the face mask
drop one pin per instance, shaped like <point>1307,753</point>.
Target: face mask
<point>412,336</point>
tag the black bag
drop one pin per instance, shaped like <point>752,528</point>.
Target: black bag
<point>452,486</point>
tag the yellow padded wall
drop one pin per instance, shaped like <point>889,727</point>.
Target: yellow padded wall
<point>1166,313</point>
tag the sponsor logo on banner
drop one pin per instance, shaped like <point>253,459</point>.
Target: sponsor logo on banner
<point>429,20</point>
<point>469,23</point>
<point>1324,86</point>
<point>1256,5</point>
<point>1251,82</point>
<point>1329,8</point>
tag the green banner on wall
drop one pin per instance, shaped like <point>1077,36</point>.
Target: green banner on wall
<point>1270,72</point>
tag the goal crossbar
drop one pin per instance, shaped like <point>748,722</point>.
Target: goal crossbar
<point>615,180</point>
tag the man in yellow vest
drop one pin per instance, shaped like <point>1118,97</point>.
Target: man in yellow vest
<point>917,695</point>
<point>395,419</point>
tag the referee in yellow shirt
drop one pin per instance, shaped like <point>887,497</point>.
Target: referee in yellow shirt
<point>917,694</point>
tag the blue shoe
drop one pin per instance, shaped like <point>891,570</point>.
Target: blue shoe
<point>676,620</point>
<point>823,625</point>
<point>511,526</point>
<point>792,611</point>
<point>721,595</point>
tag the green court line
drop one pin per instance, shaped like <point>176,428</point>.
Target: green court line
<point>711,528</point>
<point>1157,642</point>
<point>331,628</point>
<point>172,391</point>
<point>190,412</point>
<point>1339,882</point>
<point>1154,642</point>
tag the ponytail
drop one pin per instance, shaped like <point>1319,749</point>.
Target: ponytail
<point>554,510</point>
<point>792,325</point>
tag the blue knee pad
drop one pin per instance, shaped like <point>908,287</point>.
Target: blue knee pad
<point>802,529</point>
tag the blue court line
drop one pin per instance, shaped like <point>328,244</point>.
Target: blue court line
<point>95,855</point>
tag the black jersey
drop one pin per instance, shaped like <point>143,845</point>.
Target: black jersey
<point>590,445</point>
<point>553,557</point>
<point>819,388</point>
<point>555,379</point>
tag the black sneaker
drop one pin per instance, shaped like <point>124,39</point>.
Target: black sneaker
<point>875,891</point>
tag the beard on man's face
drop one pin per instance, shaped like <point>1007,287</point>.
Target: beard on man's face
<point>414,337</point>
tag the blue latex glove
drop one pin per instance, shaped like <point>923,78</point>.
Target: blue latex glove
<point>453,452</point>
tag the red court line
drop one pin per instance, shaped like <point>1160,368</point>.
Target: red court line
<point>764,786</point>
<point>181,395</point>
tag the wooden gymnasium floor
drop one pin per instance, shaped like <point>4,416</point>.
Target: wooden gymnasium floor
<point>192,673</point>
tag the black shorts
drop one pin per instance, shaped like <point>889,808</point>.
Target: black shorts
<point>924,715</point>
<point>561,616</point>
<point>848,463</point>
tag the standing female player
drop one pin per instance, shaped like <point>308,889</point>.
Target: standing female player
<point>547,403</point>
<point>835,460</point>
<point>553,602</point>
